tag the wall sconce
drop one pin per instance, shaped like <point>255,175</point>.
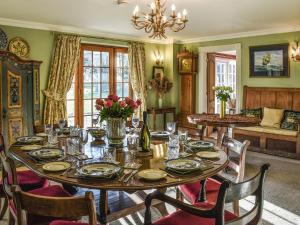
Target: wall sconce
<point>158,58</point>
<point>296,52</point>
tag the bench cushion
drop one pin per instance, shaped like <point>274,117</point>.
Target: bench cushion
<point>272,117</point>
<point>270,130</point>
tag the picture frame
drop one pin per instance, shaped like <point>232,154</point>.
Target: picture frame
<point>269,61</point>
<point>158,71</point>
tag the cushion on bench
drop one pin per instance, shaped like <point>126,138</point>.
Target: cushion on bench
<point>270,130</point>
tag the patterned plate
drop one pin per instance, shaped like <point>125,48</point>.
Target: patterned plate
<point>31,147</point>
<point>208,155</point>
<point>41,134</point>
<point>160,133</point>
<point>152,174</point>
<point>99,169</point>
<point>183,165</point>
<point>47,153</point>
<point>199,144</point>
<point>56,166</point>
<point>3,40</point>
<point>29,139</point>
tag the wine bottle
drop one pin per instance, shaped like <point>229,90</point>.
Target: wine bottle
<point>145,135</point>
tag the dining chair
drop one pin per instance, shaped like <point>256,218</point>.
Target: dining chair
<point>10,178</point>
<point>68,208</point>
<point>27,179</point>
<point>209,214</point>
<point>209,188</point>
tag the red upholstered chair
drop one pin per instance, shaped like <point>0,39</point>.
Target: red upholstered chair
<point>9,178</point>
<point>27,179</point>
<point>207,214</point>
<point>237,157</point>
<point>59,207</point>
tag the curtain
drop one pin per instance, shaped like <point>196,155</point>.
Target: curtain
<point>63,67</point>
<point>136,58</point>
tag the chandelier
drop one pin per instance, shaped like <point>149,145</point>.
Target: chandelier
<point>156,21</point>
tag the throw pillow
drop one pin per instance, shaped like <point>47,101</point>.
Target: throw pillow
<point>291,120</point>
<point>252,112</point>
<point>272,117</point>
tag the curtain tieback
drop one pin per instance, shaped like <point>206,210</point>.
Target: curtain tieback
<point>54,96</point>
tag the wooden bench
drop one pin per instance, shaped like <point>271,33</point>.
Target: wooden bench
<point>266,138</point>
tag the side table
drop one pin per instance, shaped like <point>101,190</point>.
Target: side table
<point>154,111</point>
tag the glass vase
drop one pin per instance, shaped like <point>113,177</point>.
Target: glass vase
<point>116,131</point>
<point>160,102</point>
<point>223,109</point>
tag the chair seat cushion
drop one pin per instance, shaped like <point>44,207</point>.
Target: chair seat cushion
<point>64,222</point>
<point>270,130</point>
<point>183,218</point>
<point>191,191</point>
<point>51,191</point>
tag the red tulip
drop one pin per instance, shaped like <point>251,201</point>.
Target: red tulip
<point>108,103</point>
<point>122,104</point>
<point>98,107</point>
<point>139,102</point>
<point>110,97</point>
<point>128,100</point>
<point>115,98</point>
<point>100,101</point>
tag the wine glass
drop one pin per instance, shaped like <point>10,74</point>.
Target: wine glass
<point>61,124</point>
<point>171,127</point>
<point>110,154</point>
<point>135,121</point>
<point>48,128</point>
<point>132,142</point>
<point>95,120</point>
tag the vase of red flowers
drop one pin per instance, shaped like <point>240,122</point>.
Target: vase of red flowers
<point>115,112</point>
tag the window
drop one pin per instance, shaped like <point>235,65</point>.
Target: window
<point>102,71</point>
<point>71,104</point>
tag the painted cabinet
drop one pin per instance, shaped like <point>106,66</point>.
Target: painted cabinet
<point>19,96</point>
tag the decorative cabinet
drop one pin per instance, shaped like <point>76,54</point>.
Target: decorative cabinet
<point>187,69</point>
<point>19,96</point>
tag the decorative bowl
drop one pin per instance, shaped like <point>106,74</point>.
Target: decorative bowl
<point>97,133</point>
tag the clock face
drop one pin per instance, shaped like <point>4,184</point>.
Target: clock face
<point>19,47</point>
<point>186,65</point>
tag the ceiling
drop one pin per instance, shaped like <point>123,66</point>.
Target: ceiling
<point>208,19</point>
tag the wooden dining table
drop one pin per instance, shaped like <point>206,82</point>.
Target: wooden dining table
<point>155,160</point>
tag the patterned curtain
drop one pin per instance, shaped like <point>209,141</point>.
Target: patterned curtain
<point>136,57</point>
<point>64,64</point>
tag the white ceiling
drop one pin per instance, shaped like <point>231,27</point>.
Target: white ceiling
<point>208,19</point>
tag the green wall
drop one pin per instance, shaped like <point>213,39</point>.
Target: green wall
<point>292,81</point>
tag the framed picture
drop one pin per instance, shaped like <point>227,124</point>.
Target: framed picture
<point>269,61</point>
<point>158,71</point>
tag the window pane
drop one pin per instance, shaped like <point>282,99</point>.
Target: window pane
<point>87,90</point>
<point>126,89</point>
<point>119,89</point>
<point>119,59</point>
<point>87,121</point>
<point>71,108</point>
<point>105,74</point>
<point>87,74</point>
<point>71,92</point>
<point>96,75</point>
<point>87,107</point>
<point>105,59</point>
<point>119,74</point>
<point>125,75</point>
<point>96,58</point>
<point>96,90</point>
<point>125,58</point>
<point>105,90</point>
<point>87,58</point>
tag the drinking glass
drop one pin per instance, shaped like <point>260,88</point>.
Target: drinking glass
<point>171,127</point>
<point>52,137</point>
<point>48,128</point>
<point>183,135</point>
<point>132,144</point>
<point>135,121</point>
<point>95,120</point>
<point>173,147</point>
<point>61,124</point>
<point>83,136</point>
<point>110,154</point>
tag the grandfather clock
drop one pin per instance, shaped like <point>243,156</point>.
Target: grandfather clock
<point>19,96</point>
<point>187,69</point>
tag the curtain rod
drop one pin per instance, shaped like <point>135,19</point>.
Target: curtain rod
<point>96,37</point>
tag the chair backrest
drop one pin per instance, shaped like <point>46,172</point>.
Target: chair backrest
<point>234,192</point>
<point>239,149</point>
<point>58,207</point>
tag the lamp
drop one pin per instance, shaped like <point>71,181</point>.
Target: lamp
<point>296,52</point>
<point>158,57</point>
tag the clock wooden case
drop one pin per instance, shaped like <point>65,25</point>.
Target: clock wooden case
<point>187,69</point>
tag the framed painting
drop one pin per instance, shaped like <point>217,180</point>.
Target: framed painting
<point>269,61</point>
<point>158,71</point>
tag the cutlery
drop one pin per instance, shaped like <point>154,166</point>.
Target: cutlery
<point>130,176</point>
<point>73,166</point>
<point>126,172</point>
<point>170,175</point>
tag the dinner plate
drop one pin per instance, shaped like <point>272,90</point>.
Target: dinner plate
<point>208,154</point>
<point>31,147</point>
<point>47,153</point>
<point>56,166</point>
<point>183,165</point>
<point>41,134</point>
<point>160,133</point>
<point>29,139</point>
<point>199,144</point>
<point>99,169</point>
<point>152,174</point>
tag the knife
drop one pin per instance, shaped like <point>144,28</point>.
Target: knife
<point>130,176</point>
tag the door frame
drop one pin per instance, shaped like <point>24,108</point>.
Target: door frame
<point>201,87</point>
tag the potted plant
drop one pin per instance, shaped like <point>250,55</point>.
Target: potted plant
<point>115,112</point>
<point>223,94</point>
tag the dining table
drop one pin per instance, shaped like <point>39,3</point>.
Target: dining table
<point>155,159</point>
